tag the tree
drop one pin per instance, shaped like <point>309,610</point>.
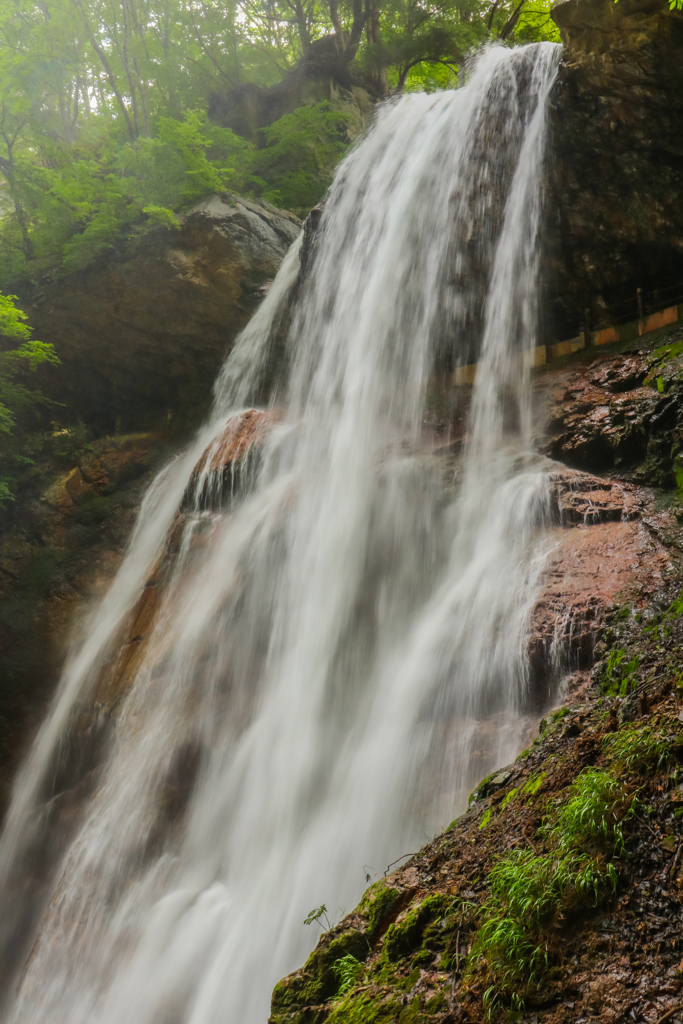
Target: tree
<point>103,125</point>
<point>16,364</point>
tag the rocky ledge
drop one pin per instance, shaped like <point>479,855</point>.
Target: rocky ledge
<point>61,544</point>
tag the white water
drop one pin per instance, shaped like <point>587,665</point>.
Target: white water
<point>340,650</point>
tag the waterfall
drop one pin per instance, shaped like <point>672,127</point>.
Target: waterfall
<point>336,651</point>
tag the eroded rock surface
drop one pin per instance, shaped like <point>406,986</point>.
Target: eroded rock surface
<point>607,551</point>
<point>619,412</point>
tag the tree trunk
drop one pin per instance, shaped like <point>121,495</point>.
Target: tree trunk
<point>111,77</point>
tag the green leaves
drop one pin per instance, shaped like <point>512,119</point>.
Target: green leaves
<point>347,971</point>
<point>315,915</point>
<point>12,320</point>
<point>15,398</point>
<point>598,804</point>
<point>530,892</point>
<point>302,150</point>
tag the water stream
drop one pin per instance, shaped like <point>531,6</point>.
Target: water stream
<point>338,642</point>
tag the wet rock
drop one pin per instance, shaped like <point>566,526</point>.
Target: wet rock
<point>230,462</point>
<point>605,554</point>
<point>61,544</point>
<point>619,413</point>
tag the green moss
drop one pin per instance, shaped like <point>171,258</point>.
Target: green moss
<point>437,1004</point>
<point>405,938</point>
<point>621,614</point>
<point>551,724</point>
<point>366,1008</point>
<point>485,819</point>
<point>510,796</point>
<point>317,981</point>
<point>377,904</point>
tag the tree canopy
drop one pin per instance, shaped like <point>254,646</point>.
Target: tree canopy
<point>103,105</point>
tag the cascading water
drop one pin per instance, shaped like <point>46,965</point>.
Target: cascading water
<point>338,645</point>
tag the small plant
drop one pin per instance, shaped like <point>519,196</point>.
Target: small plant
<point>316,914</point>
<point>533,784</point>
<point>596,810</point>
<point>638,748</point>
<point>347,971</point>
<point>619,677</point>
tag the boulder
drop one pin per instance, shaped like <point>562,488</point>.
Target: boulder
<point>142,334</point>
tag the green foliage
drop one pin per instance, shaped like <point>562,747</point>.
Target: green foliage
<point>347,970</point>
<point>302,150</point>
<point>12,320</point>
<point>619,676</point>
<point>318,980</point>
<point>103,125</point>
<point>529,892</point>
<point>595,811</point>
<point>635,748</point>
<point>535,23</point>
<point>315,915</point>
<point>17,401</point>
<point>534,783</point>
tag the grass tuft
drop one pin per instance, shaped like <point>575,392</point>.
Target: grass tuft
<point>347,971</point>
<point>636,748</point>
<point>531,893</point>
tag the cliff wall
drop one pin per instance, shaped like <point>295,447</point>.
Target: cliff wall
<point>615,195</point>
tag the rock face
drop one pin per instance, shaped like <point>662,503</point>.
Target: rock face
<point>621,413</point>
<point>61,549</point>
<point>607,551</point>
<point>616,194</point>
<point>142,335</point>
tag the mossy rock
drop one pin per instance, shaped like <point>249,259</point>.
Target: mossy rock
<point>297,997</point>
<point>404,939</point>
<point>375,1008</point>
<point>377,905</point>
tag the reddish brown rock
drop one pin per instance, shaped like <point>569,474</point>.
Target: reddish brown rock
<point>241,433</point>
<point>607,551</point>
<point>620,413</point>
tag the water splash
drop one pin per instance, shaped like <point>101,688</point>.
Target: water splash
<point>334,654</point>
